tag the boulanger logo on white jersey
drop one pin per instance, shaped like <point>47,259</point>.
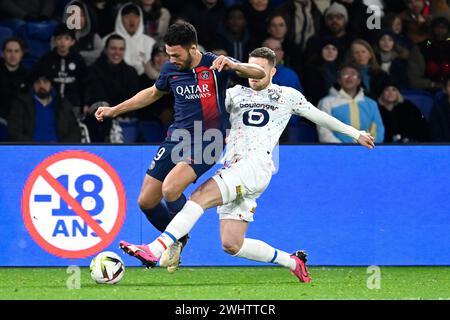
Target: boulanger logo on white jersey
<point>192,92</point>
<point>257,106</point>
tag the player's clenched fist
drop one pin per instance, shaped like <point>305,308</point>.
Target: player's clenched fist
<point>104,112</point>
<point>223,63</point>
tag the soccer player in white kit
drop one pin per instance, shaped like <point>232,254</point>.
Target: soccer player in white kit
<point>258,116</point>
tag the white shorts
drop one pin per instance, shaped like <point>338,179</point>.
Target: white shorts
<point>241,183</point>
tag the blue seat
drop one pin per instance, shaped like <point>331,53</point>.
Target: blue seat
<point>5,33</point>
<point>28,62</point>
<point>422,99</point>
<point>37,37</point>
<point>152,132</point>
<point>130,130</point>
<point>301,131</point>
<point>439,96</point>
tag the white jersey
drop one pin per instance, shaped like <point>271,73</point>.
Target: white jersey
<point>258,118</point>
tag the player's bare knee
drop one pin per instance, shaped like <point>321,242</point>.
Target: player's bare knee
<point>145,203</point>
<point>171,191</point>
<point>231,247</point>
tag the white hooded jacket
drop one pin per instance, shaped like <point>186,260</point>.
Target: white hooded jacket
<point>138,46</point>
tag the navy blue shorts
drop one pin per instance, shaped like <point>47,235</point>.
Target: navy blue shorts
<point>199,159</point>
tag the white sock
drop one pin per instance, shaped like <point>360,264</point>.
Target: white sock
<point>260,251</point>
<point>180,225</point>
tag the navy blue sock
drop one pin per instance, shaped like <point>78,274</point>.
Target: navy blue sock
<point>176,206</point>
<point>159,216</point>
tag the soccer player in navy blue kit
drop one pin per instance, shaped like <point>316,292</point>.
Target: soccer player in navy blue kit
<point>198,82</point>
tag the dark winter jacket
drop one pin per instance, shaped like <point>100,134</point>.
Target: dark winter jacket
<point>11,84</point>
<point>110,83</point>
<point>67,75</point>
<point>21,121</point>
<point>405,123</point>
<point>428,62</point>
<point>205,21</point>
<point>440,121</point>
<point>288,10</point>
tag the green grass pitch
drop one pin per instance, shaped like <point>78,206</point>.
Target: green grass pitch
<point>231,283</point>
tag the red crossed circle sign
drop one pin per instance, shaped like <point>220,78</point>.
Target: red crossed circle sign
<point>74,204</point>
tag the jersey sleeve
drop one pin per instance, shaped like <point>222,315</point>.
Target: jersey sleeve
<point>230,94</point>
<point>162,83</point>
<point>297,102</point>
<point>228,100</point>
<point>302,107</point>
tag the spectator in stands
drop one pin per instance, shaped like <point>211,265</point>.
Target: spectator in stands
<point>233,34</point>
<point>103,16</point>
<point>303,19</point>
<point>156,119</point>
<point>14,13</point>
<point>156,18</point>
<point>403,121</point>
<point>394,23</point>
<point>130,25</point>
<point>358,17</point>
<point>110,80</point>
<point>153,66</point>
<point>336,22</point>
<point>321,73</point>
<point>362,54</point>
<point>348,103</point>
<point>205,15</point>
<point>66,67</point>
<point>429,61</point>
<point>393,58</point>
<point>13,75</point>
<point>88,43</point>
<point>284,76</point>
<point>278,29</point>
<point>41,115</point>
<point>416,20</point>
<point>257,13</point>
<point>440,116</point>
<point>418,15</point>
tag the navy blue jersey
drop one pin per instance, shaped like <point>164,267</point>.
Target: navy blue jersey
<point>199,94</point>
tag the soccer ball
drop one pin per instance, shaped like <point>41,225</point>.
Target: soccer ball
<point>107,267</point>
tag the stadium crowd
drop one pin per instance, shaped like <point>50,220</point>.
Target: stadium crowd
<point>383,69</point>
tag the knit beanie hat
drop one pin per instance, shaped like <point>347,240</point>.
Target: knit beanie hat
<point>337,8</point>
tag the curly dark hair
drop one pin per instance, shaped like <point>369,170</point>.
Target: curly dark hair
<point>181,33</point>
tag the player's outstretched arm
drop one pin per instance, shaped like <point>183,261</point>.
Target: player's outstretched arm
<point>323,119</point>
<point>244,70</point>
<point>138,101</point>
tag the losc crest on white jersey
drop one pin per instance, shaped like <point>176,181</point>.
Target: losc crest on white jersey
<point>258,118</point>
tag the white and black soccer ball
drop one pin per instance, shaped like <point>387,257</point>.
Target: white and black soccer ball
<point>107,267</point>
